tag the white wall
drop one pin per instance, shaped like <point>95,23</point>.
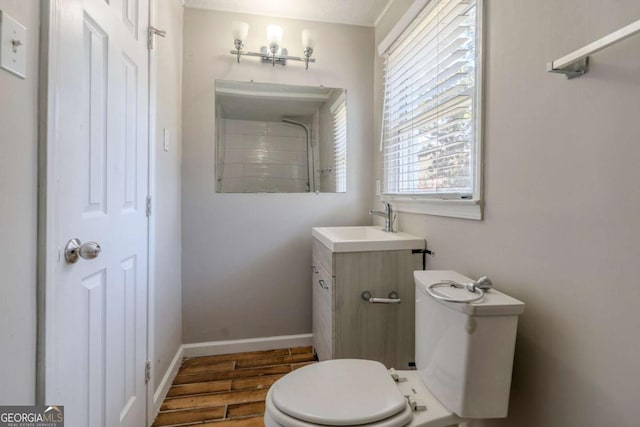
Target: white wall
<point>561,227</point>
<point>247,257</point>
<point>168,205</point>
<point>18,220</point>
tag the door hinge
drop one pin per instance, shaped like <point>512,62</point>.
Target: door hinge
<point>148,205</point>
<point>153,31</point>
<point>147,371</point>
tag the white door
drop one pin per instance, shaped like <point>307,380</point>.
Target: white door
<point>97,183</point>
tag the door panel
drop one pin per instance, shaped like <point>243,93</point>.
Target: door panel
<point>95,321</point>
<point>96,331</point>
<point>94,79</point>
<point>130,160</point>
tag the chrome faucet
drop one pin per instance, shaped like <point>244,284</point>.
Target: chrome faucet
<point>387,214</point>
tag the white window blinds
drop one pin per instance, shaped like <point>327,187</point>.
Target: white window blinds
<point>339,111</point>
<point>430,98</point>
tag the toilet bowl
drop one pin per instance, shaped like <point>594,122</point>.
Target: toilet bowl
<point>464,357</point>
<point>346,392</point>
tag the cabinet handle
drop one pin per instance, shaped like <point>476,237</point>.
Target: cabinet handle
<point>323,285</point>
<point>393,298</point>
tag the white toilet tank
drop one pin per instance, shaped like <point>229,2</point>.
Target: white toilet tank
<point>464,351</point>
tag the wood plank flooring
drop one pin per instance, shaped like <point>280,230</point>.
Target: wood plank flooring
<point>229,389</point>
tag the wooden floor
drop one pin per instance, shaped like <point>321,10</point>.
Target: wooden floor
<point>229,389</point>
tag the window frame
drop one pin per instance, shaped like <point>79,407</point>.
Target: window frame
<point>440,204</point>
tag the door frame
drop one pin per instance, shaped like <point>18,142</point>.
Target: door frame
<point>48,251</point>
<point>151,219</point>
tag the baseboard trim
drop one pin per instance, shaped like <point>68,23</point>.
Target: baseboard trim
<point>213,348</point>
<point>167,381</point>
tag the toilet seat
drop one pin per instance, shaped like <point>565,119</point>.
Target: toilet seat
<point>338,393</point>
<point>274,417</point>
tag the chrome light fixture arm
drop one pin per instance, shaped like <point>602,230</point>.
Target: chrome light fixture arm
<point>267,57</point>
<point>308,51</point>
<point>239,45</point>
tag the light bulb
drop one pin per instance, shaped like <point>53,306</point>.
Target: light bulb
<point>274,35</point>
<point>307,38</point>
<point>240,30</point>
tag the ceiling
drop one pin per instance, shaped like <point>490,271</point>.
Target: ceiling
<point>353,12</point>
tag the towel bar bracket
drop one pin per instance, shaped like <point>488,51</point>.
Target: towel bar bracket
<point>576,69</point>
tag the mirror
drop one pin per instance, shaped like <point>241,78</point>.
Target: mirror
<point>275,138</point>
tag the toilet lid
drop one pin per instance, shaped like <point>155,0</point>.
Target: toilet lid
<point>339,392</point>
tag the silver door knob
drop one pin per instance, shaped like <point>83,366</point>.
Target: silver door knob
<point>76,249</point>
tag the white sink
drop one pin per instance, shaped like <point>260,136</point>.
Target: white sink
<point>362,239</point>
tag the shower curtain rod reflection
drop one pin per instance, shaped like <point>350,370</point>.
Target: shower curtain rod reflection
<point>311,184</point>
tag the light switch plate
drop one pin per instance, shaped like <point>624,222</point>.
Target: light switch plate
<point>13,45</point>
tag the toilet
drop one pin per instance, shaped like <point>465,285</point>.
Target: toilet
<point>464,358</point>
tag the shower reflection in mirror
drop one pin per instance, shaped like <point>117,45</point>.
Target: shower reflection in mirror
<point>274,138</point>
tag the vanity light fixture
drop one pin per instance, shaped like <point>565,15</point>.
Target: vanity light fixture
<point>273,53</point>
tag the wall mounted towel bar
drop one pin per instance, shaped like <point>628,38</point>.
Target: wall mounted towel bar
<point>576,63</point>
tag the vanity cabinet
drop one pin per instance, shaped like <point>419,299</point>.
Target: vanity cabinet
<point>347,326</point>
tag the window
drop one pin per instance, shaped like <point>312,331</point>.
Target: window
<point>339,111</point>
<point>431,125</point>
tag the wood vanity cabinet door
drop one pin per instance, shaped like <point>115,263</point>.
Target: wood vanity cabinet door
<point>383,332</point>
<point>322,257</point>
<point>322,317</point>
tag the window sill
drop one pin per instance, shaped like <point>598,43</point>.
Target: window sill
<point>466,209</point>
